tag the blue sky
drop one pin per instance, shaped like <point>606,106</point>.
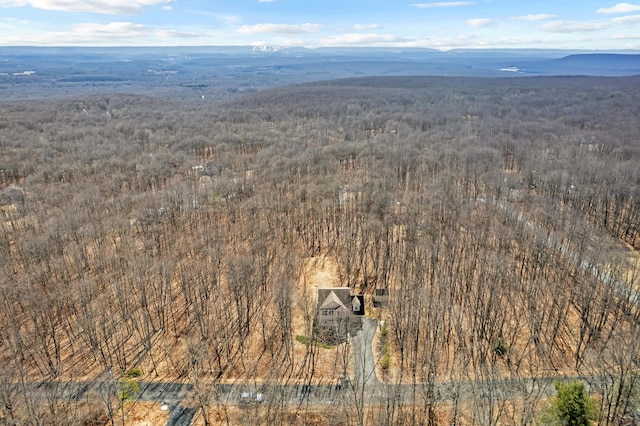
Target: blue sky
<point>563,24</point>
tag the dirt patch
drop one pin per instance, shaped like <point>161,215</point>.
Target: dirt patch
<point>146,414</point>
<point>316,272</point>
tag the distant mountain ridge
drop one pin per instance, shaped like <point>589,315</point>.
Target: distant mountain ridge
<point>217,72</point>
<point>593,64</point>
<point>603,60</point>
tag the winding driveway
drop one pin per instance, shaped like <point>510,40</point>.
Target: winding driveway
<point>363,363</point>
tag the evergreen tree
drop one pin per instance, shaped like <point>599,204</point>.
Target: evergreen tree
<point>571,407</point>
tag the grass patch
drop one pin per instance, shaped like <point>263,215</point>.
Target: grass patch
<point>306,340</point>
<point>386,347</point>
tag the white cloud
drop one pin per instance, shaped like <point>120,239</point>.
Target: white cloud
<point>441,43</point>
<point>508,42</point>
<point>533,18</point>
<point>365,27</point>
<point>620,8</point>
<point>479,22</point>
<point>111,30</point>
<point>165,33</point>
<point>573,27</point>
<point>266,1</point>
<point>17,21</point>
<point>93,34</point>
<point>358,38</point>
<point>626,36</point>
<point>107,7</point>
<point>280,28</point>
<point>626,20</point>
<point>442,4</point>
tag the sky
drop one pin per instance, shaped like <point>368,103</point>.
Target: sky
<point>544,24</point>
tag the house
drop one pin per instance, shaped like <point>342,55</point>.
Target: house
<point>338,311</point>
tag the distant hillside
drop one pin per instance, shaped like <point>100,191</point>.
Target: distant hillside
<point>602,60</point>
<point>602,64</point>
<point>217,73</point>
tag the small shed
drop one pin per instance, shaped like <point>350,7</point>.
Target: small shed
<point>381,297</point>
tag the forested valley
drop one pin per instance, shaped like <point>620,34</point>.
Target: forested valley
<point>148,240</point>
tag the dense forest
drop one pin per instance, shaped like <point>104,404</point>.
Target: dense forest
<point>166,241</point>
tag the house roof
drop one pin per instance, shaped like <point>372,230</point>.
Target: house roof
<point>331,298</point>
<point>332,301</point>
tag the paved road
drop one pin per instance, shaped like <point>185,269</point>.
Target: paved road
<point>373,392</point>
<point>364,365</point>
<point>170,393</point>
<point>181,416</point>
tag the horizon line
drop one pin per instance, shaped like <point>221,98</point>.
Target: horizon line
<point>281,47</point>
